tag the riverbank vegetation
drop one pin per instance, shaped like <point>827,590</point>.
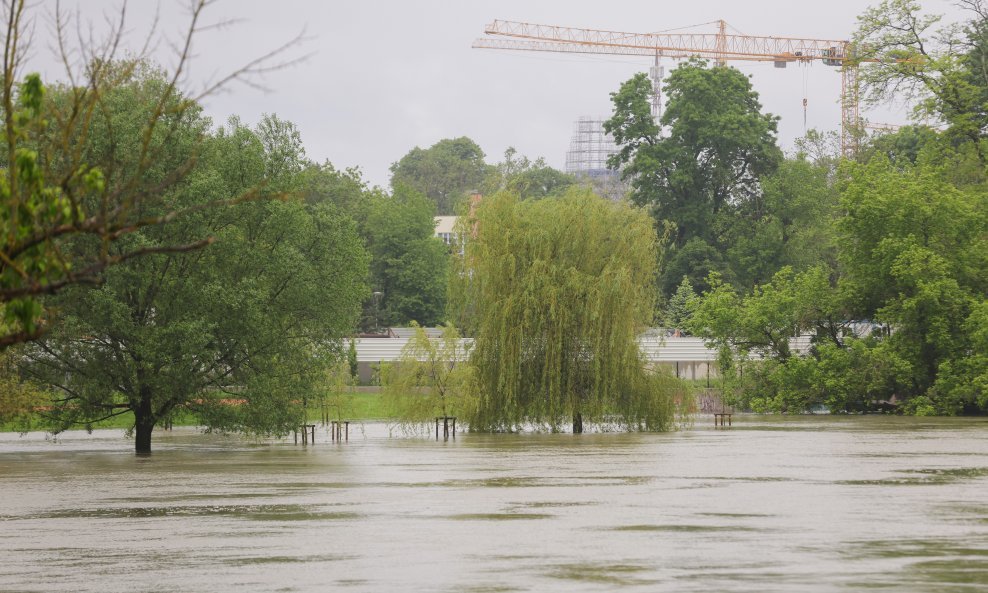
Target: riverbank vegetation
<point>893,302</point>
<point>161,267</point>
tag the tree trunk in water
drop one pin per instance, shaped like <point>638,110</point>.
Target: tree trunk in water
<point>143,424</point>
<point>577,423</point>
<point>142,442</point>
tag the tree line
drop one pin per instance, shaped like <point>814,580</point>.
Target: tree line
<point>880,260</point>
<point>156,263</point>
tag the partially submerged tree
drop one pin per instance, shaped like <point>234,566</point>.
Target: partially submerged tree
<point>561,290</point>
<point>432,379</point>
<point>915,257</point>
<point>911,269</point>
<point>238,334</point>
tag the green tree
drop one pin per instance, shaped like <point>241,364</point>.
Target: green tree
<point>445,172</point>
<point>529,179</point>
<point>695,261</point>
<point>941,69</point>
<point>409,264</point>
<point>717,147</point>
<point>962,382</point>
<point>914,257</point>
<point>789,224</point>
<point>284,154</point>
<point>707,169</point>
<point>561,289</point>
<point>345,189</point>
<point>904,144</point>
<point>681,306</point>
<point>432,378</point>
<point>54,193</point>
<point>912,264</point>
<point>238,334</point>
<point>18,398</point>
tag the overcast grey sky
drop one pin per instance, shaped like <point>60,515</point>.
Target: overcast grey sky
<point>385,76</point>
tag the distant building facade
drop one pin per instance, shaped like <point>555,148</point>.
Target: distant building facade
<point>444,229</point>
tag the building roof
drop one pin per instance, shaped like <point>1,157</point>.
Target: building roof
<point>445,224</point>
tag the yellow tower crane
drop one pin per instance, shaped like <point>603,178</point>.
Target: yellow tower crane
<point>720,47</point>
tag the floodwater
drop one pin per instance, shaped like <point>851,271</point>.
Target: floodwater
<point>798,504</point>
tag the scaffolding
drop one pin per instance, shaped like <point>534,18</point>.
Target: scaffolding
<point>589,149</point>
<point>587,157</point>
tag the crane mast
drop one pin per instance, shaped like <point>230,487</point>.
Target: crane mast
<point>720,47</point>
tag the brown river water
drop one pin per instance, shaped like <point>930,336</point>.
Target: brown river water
<point>796,504</point>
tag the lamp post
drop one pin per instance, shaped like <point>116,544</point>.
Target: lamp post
<point>377,309</point>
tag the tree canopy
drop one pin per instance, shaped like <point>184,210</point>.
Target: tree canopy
<point>717,146</point>
<point>445,172</point>
<point>705,171</point>
<point>409,263</point>
<point>432,378</point>
<point>893,319</point>
<point>561,288</point>
<point>56,190</point>
<point>529,179</point>
<point>941,69</point>
<point>236,334</point>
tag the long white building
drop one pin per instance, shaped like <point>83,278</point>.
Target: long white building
<point>689,357</point>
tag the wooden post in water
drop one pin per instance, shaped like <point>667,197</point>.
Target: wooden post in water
<point>337,428</point>
<point>449,425</point>
<point>308,433</point>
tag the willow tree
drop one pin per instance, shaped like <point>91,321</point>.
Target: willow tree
<point>560,289</point>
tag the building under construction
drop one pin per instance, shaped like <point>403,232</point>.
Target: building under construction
<point>589,149</point>
<point>587,156</point>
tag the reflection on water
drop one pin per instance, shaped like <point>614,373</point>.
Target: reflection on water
<point>798,504</point>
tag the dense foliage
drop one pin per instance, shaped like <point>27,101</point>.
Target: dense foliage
<point>894,320</point>
<point>561,288</point>
<point>527,178</point>
<point>703,174</point>
<point>54,191</point>
<point>237,334</point>
<point>445,172</point>
<point>856,285</point>
<point>408,263</point>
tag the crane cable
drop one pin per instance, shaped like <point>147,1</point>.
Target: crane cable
<point>805,75</point>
